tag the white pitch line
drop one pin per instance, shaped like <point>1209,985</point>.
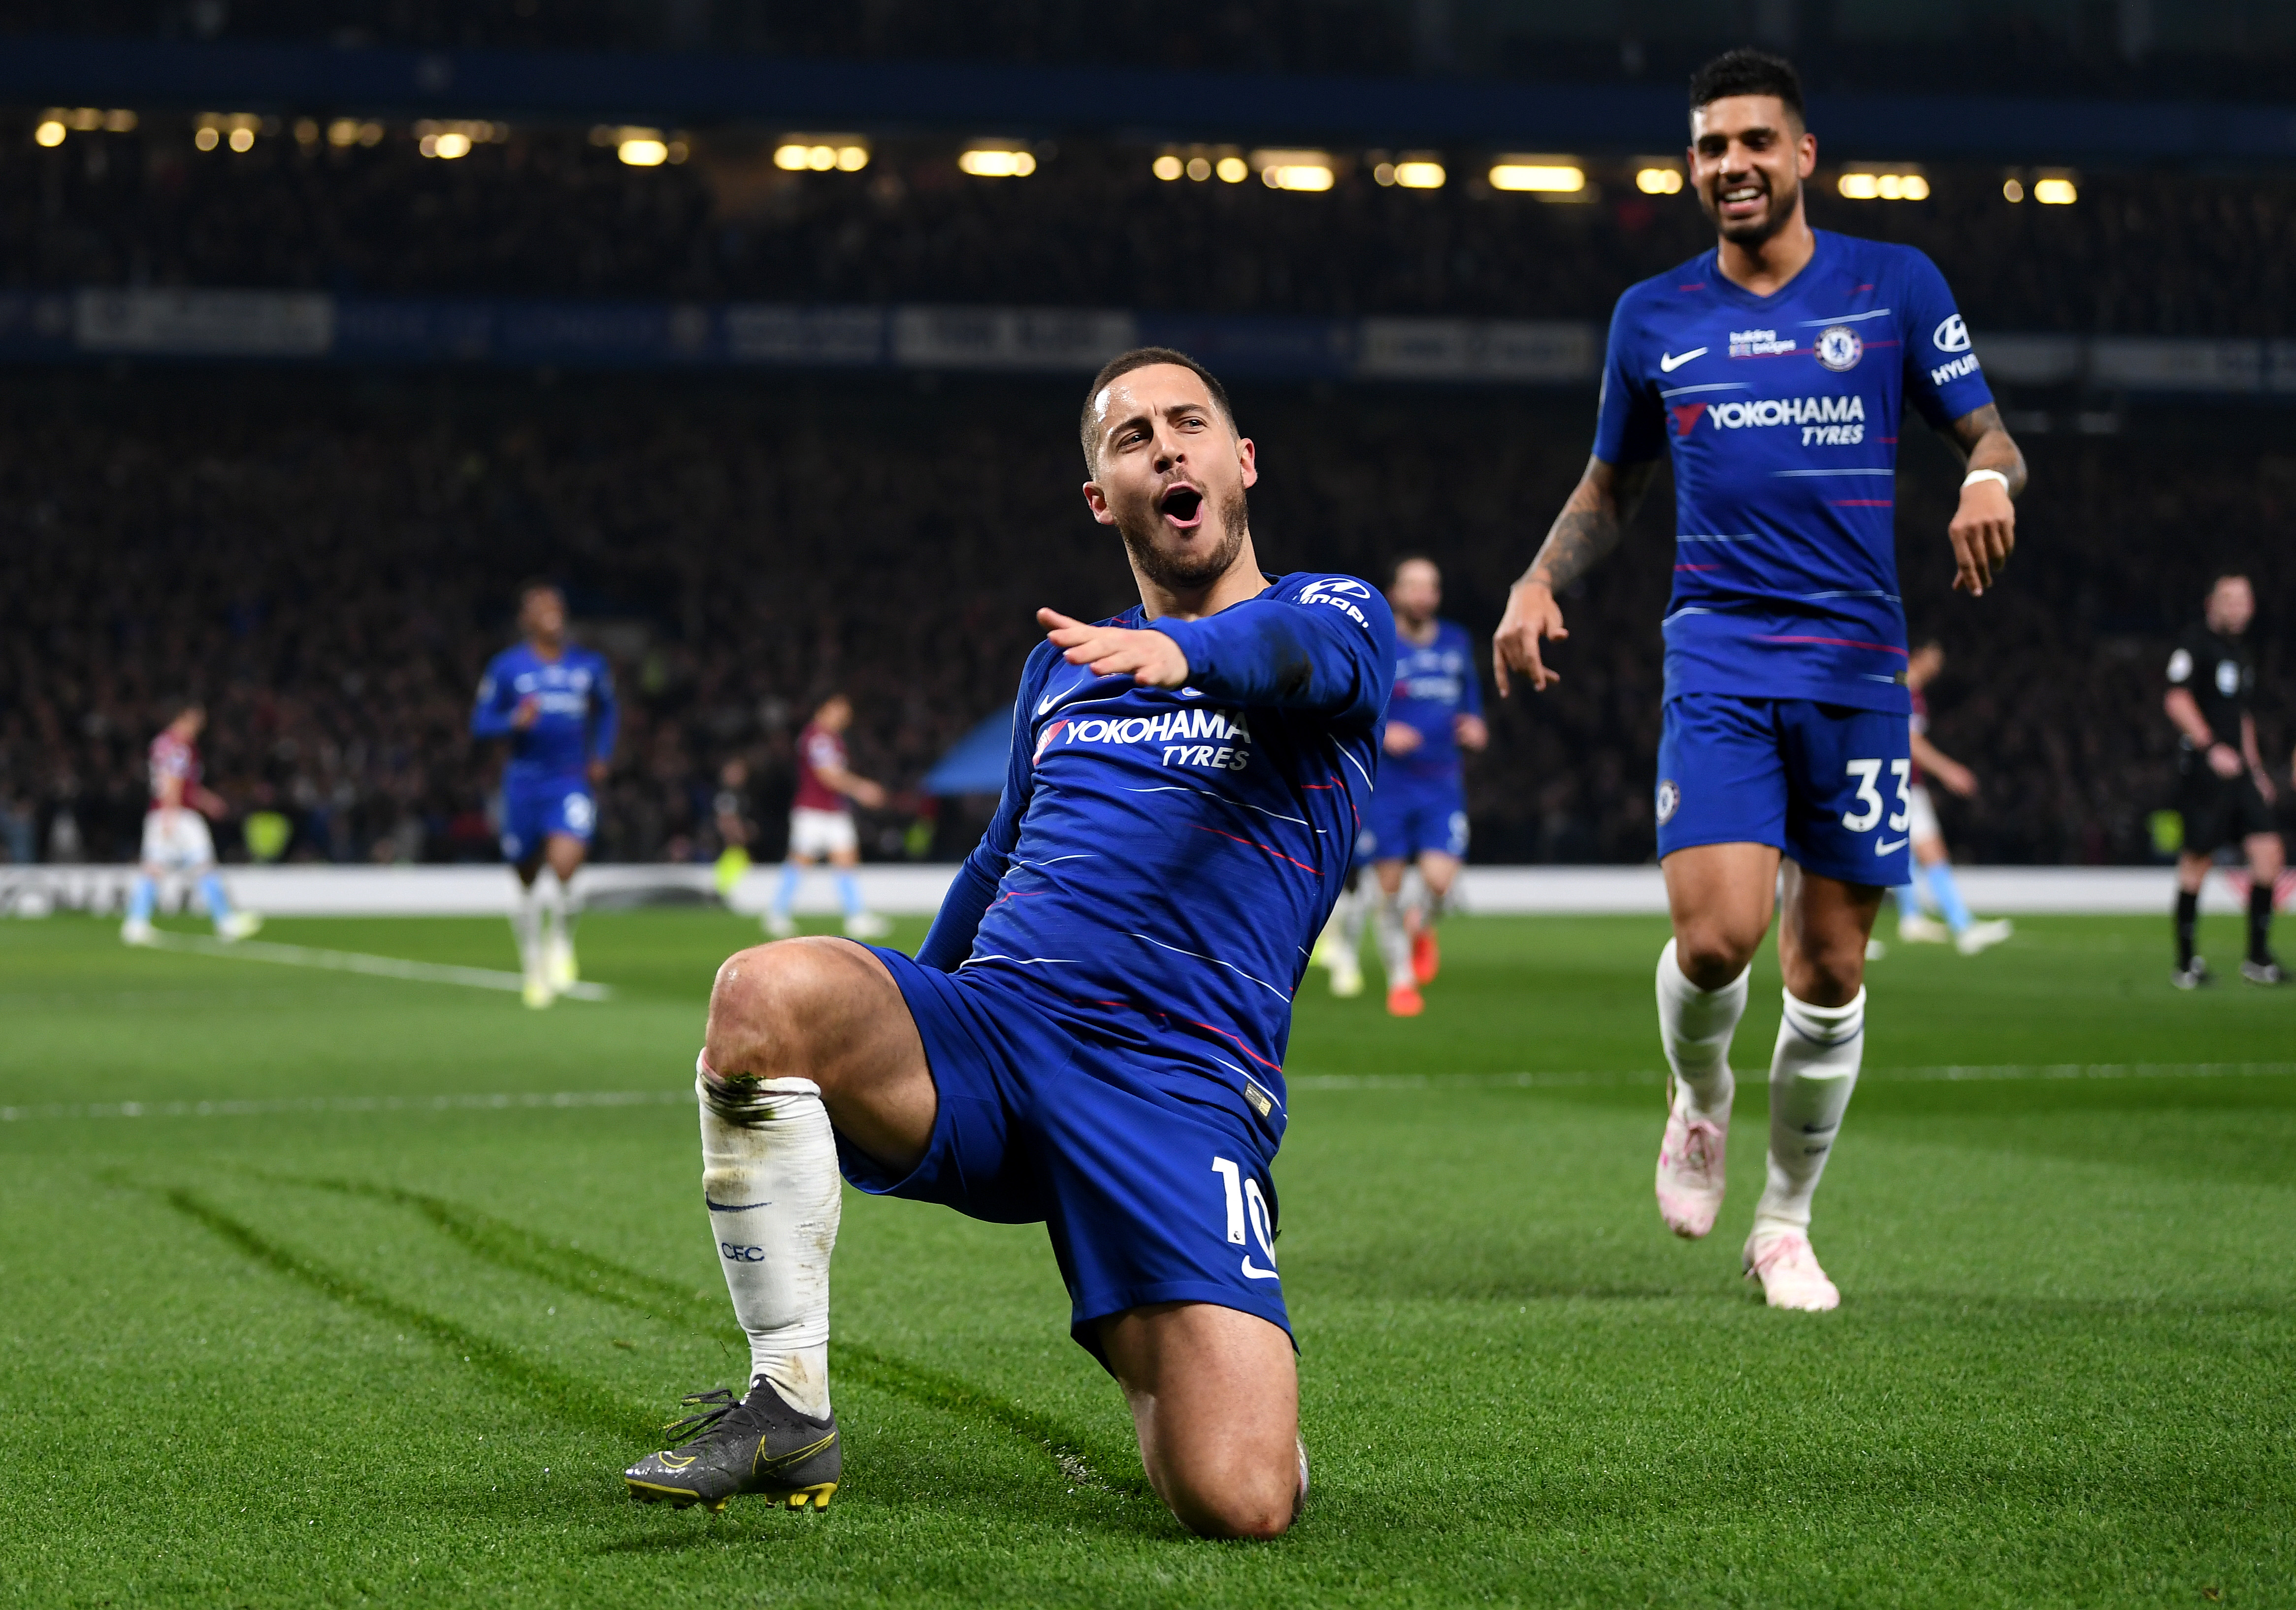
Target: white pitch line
<point>356,961</point>
<point>262,1106</point>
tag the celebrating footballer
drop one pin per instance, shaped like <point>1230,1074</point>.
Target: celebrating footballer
<point>1776,369</point>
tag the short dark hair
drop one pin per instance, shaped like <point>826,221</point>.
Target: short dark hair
<point>1746,72</point>
<point>533,584</point>
<point>1395,571</point>
<point>1124,363</point>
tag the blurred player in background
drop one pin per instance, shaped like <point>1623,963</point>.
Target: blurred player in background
<point>729,808</point>
<point>1777,368</point>
<point>176,837</point>
<point>1930,880</point>
<point>820,821</point>
<point>554,702</point>
<point>1419,813</point>
<point>2226,794</point>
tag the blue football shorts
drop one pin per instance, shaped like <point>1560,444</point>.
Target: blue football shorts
<point>1409,815</point>
<point>1829,785</point>
<point>533,813</point>
<point>1153,1183</point>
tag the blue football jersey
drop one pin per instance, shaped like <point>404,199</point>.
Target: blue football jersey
<point>576,715</point>
<point>1434,683</point>
<point>1782,415</point>
<point>1162,859</point>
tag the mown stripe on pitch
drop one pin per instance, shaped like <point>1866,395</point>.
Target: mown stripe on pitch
<point>266,1106</point>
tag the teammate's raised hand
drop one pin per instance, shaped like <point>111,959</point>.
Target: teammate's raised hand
<point>1150,658</point>
<point>1531,614</point>
<point>1984,532</point>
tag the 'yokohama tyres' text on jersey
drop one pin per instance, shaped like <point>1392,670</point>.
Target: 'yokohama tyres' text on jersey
<point>1782,415</point>
<point>1161,860</point>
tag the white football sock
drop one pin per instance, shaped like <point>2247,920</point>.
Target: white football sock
<point>1355,910</point>
<point>1694,1026</point>
<point>1811,1076</point>
<point>568,907</point>
<point>769,1175</point>
<point>526,926</point>
<point>1394,943</point>
<point>549,895</point>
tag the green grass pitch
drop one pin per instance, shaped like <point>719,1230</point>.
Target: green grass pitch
<point>346,1342</point>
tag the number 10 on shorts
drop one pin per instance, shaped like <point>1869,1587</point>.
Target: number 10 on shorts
<point>1868,773</point>
<point>1244,1201</point>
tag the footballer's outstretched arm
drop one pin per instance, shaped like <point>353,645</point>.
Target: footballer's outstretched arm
<point>1593,520</point>
<point>1327,647</point>
<point>1984,528</point>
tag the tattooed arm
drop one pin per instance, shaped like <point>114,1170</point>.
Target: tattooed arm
<point>1581,537</point>
<point>1984,528</point>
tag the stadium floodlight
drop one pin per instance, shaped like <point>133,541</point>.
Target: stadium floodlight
<point>242,140</point>
<point>1544,175</point>
<point>345,132</point>
<point>640,147</point>
<point>448,145</point>
<point>50,132</point>
<point>997,161</point>
<point>1168,168</point>
<point>2057,190</point>
<point>119,120</point>
<point>1658,179</point>
<point>1879,181</point>
<point>821,153</point>
<point>1232,170</point>
<point>1307,170</point>
<point>1420,173</point>
<point>2013,189</point>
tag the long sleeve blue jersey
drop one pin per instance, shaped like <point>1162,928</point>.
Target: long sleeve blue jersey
<point>1161,860</point>
<point>575,720</point>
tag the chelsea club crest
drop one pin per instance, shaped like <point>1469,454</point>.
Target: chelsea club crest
<point>1839,348</point>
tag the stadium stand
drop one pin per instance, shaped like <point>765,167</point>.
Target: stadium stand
<point>331,564</point>
<point>546,212</point>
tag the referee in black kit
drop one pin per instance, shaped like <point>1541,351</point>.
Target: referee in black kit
<point>2224,793</point>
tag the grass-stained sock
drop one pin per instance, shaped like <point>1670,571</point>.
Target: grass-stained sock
<point>769,1177</point>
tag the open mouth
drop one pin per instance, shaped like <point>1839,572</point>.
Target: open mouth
<point>1182,505</point>
<point>1740,198</point>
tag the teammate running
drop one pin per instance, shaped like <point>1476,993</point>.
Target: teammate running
<point>1929,880</point>
<point>1776,368</point>
<point>1092,1033</point>
<point>555,704</point>
<point>2226,793</point>
<point>1419,817</point>
<point>176,837</point>
<point>820,821</point>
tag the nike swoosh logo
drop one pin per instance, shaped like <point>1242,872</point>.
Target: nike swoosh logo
<point>1667,363</point>
<point>1883,846</point>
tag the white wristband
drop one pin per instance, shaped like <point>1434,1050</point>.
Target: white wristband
<point>1975,475</point>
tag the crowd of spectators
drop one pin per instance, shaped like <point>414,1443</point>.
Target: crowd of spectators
<point>2220,48</point>
<point>331,567</point>
<point>548,212</point>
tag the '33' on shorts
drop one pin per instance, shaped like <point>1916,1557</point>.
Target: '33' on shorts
<point>1411,814</point>
<point>1148,1196</point>
<point>1829,785</point>
<point>535,812</point>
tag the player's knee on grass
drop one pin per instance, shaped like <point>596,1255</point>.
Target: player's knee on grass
<point>1257,1498</point>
